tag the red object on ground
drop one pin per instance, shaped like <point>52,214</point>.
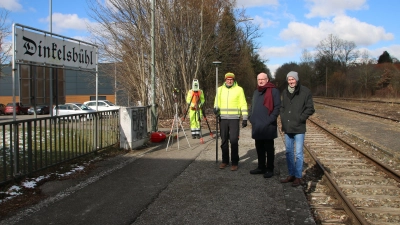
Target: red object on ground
<point>157,137</point>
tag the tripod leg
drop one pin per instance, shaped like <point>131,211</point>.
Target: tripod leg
<point>187,110</point>
<point>183,130</point>
<point>177,129</point>
<point>170,134</point>
<point>208,125</point>
<point>198,117</point>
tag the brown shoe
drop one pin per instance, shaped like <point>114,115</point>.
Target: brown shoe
<point>223,165</point>
<point>288,179</point>
<point>297,182</point>
<point>234,167</point>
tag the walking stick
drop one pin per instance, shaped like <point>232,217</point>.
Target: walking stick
<point>216,63</point>
<point>216,139</point>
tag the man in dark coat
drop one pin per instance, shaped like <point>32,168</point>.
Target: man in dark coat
<point>264,112</point>
<point>297,106</point>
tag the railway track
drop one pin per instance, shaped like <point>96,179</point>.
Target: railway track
<point>358,100</point>
<point>375,108</point>
<point>352,187</point>
<point>358,111</point>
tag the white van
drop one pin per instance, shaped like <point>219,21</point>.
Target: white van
<point>73,109</point>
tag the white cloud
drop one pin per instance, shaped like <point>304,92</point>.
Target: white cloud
<point>273,69</point>
<point>304,34</point>
<point>67,22</point>
<point>254,3</point>
<point>265,23</point>
<point>351,29</point>
<point>83,38</point>
<point>278,52</point>
<point>328,8</point>
<point>11,5</point>
<point>344,27</point>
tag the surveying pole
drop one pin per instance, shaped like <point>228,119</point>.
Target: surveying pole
<point>216,63</point>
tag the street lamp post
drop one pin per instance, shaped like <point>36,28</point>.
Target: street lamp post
<point>153,89</point>
<point>326,82</point>
<point>115,83</point>
<point>216,63</point>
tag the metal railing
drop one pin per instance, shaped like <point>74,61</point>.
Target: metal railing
<point>31,145</point>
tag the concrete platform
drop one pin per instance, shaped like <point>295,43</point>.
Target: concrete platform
<point>178,186</point>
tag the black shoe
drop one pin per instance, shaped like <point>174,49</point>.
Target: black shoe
<point>193,137</point>
<point>268,174</point>
<point>257,171</point>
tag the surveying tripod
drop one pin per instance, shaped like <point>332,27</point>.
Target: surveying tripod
<point>175,123</point>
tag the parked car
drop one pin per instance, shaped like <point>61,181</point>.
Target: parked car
<point>2,108</point>
<point>40,110</point>
<point>73,109</point>
<point>19,109</point>
<point>103,105</point>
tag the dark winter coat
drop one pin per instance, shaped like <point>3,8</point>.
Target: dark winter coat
<point>295,109</point>
<point>264,126</point>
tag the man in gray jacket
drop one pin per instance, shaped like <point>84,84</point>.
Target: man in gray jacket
<point>297,106</point>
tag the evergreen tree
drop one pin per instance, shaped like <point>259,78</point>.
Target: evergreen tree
<point>385,58</point>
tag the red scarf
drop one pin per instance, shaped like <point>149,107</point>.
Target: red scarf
<point>268,100</point>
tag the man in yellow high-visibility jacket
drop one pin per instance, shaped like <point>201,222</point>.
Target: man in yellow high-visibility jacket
<point>195,99</point>
<point>231,105</point>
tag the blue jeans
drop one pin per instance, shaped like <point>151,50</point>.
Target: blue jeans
<point>294,159</point>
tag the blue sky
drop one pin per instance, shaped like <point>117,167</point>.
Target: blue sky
<point>286,26</point>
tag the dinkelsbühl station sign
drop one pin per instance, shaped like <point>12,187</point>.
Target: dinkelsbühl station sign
<point>46,49</point>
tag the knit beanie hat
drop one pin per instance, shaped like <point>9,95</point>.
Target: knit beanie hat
<point>229,75</point>
<point>293,74</point>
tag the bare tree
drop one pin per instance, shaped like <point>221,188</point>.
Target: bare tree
<point>329,48</point>
<point>5,48</point>
<point>188,37</point>
<point>347,54</point>
<point>367,75</point>
<point>307,68</point>
<point>334,56</point>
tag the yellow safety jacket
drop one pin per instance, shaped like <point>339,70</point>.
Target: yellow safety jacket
<point>197,99</point>
<point>231,102</point>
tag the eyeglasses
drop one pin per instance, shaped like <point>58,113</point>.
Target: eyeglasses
<point>229,79</point>
<point>262,79</point>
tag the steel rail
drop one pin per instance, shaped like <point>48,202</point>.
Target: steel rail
<point>389,171</point>
<point>357,100</point>
<point>354,215</point>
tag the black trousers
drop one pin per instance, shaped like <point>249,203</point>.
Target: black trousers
<point>265,148</point>
<point>230,134</point>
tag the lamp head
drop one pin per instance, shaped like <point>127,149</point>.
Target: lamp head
<point>216,63</point>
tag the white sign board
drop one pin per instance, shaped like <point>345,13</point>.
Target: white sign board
<point>42,48</point>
